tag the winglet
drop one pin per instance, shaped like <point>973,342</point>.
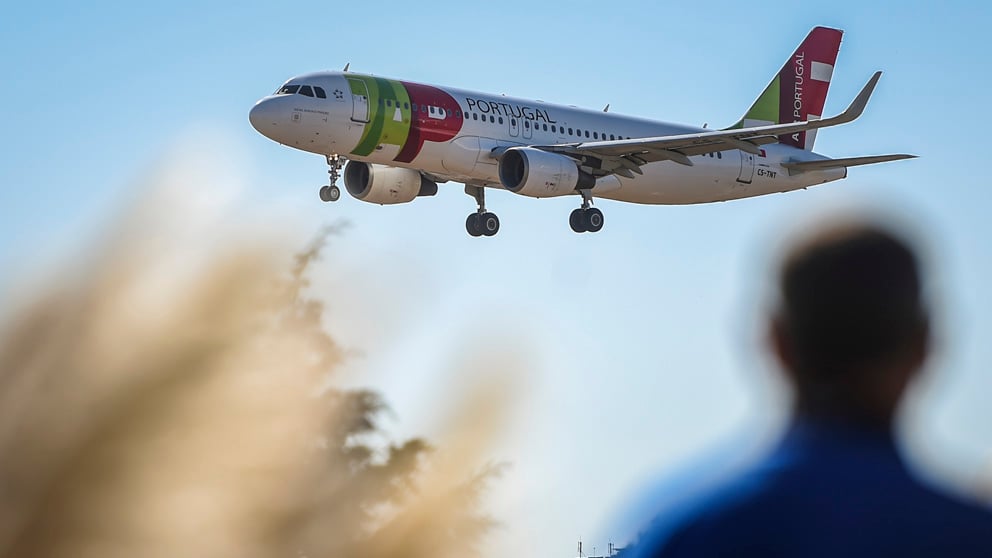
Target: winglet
<point>852,112</point>
<point>859,103</point>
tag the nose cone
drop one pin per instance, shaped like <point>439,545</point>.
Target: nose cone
<point>263,116</point>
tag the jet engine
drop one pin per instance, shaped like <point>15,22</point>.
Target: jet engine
<point>541,174</point>
<point>383,184</point>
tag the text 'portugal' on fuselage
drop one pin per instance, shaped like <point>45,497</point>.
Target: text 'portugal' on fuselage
<point>400,139</point>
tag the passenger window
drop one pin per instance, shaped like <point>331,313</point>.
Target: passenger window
<point>306,90</point>
<point>545,127</point>
<point>513,122</point>
<point>526,123</point>
<point>320,92</point>
<point>719,155</point>
<point>492,119</point>
<point>500,119</point>
<point>389,102</point>
<point>413,107</point>
<point>569,131</point>
<point>406,105</point>
<point>458,114</point>
<point>553,129</point>
<point>587,133</point>
<point>475,116</point>
<point>595,135</point>
<point>611,137</point>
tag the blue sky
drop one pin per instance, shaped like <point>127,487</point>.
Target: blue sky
<point>643,340</point>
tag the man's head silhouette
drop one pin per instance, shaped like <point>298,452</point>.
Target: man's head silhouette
<point>851,332</point>
<point>851,329</point>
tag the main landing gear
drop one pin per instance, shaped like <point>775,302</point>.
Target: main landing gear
<point>586,218</point>
<point>481,222</point>
<point>330,192</point>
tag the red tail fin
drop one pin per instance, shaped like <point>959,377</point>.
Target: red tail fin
<point>799,91</point>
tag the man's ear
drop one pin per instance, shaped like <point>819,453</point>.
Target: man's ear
<point>781,345</point>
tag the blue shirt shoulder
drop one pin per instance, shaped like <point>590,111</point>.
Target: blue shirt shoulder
<point>824,491</point>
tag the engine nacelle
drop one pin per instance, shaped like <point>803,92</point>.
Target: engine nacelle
<point>383,184</point>
<point>541,174</point>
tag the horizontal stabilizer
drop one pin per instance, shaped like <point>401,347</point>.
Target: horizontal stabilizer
<point>802,166</point>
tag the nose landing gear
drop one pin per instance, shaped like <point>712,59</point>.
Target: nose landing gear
<point>481,222</point>
<point>586,218</point>
<point>330,192</point>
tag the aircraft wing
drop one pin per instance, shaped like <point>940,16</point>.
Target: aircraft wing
<point>625,157</point>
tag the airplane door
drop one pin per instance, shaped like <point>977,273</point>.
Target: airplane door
<point>514,127</point>
<point>360,101</point>
<point>528,129</point>
<point>747,167</point>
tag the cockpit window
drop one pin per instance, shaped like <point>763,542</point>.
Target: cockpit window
<point>308,90</point>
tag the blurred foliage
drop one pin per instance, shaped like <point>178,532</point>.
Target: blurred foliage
<point>375,482</point>
<point>154,413</point>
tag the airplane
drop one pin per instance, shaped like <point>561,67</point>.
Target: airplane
<point>397,140</point>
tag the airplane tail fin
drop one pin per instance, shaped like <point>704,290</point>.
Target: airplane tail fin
<point>799,90</point>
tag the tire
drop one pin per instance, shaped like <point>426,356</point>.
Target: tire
<point>593,219</point>
<point>473,224</point>
<point>489,224</point>
<point>577,221</point>
<point>325,193</point>
<point>334,193</point>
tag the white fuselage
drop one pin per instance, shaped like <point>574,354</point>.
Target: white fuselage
<point>454,134</point>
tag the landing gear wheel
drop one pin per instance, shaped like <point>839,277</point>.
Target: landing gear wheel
<point>481,222</point>
<point>330,193</point>
<point>473,224</point>
<point>593,219</point>
<point>489,223</point>
<point>577,221</point>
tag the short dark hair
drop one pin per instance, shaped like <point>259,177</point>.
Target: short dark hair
<point>851,294</point>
